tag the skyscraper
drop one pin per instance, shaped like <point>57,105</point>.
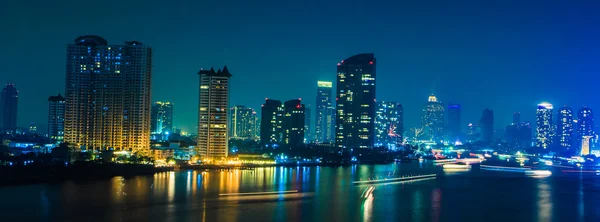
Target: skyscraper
<point>293,123</point>
<point>213,141</point>
<point>242,124</point>
<point>454,121</point>
<point>356,102</point>
<point>307,127</point>
<point>56,118</point>
<point>565,129</point>
<point>545,128</point>
<point>8,108</point>
<point>433,119</point>
<point>585,120</point>
<point>108,95</point>
<point>389,125</point>
<point>516,118</point>
<point>324,122</point>
<point>487,126</point>
<point>271,122</point>
<point>161,120</point>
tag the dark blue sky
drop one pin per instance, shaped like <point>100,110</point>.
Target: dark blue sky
<point>504,55</point>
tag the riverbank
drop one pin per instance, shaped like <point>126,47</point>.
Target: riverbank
<point>33,174</point>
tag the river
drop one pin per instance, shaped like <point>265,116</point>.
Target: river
<point>323,194</point>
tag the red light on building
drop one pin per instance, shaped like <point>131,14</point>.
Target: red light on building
<point>339,64</point>
<point>298,106</point>
<point>371,63</point>
<point>266,98</point>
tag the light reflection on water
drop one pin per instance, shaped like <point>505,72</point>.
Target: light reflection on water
<point>325,194</point>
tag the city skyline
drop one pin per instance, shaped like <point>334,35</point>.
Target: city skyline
<point>499,53</point>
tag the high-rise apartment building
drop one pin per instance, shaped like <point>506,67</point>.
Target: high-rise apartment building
<point>355,108</point>
<point>107,95</point>
<point>213,106</point>
<point>325,121</point>
<point>242,124</point>
<point>545,126</point>
<point>293,123</point>
<point>271,122</point>
<point>585,120</point>
<point>454,122</point>
<point>389,125</point>
<point>161,120</point>
<point>433,119</point>
<point>8,108</point>
<point>487,126</point>
<point>56,118</point>
<point>565,129</point>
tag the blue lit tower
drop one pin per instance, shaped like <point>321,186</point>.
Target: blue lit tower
<point>107,95</point>
<point>585,126</point>
<point>433,119</point>
<point>389,125</point>
<point>565,129</point>
<point>545,127</point>
<point>324,121</point>
<point>8,108</point>
<point>454,121</point>
<point>355,108</point>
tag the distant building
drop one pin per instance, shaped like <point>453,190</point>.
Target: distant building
<point>518,134</point>
<point>32,128</point>
<point>565,129</point>
<point>161,120</point>
<point>487,126</point>
<point>545,127</point>
<point>293,123</point>
<point>433,119</point>
<point>307,126</point>
<point>213,141</point>
<point>473,133</point>
<point>585,120</point>
<point>271,122</point>
<point>355,108</point>
<point>454,122</point>
<point>389,125</point>
<point>325,121</point>
<point>56,118</point>
<point>242,122</point>
<point>516,118</point>
<point>107,95</point>
<point>8,108</point>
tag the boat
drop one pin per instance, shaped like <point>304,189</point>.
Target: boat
<point>398,179</point>
<point>456,166</point>
<point>538,173</point>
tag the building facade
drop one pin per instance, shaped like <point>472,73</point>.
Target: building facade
<point>8,108</point>
<point>454,122</point>
<point>213,108</point>
<point>271,122</point>
<point>161,120</point>
<point>389,125</point>
<point>565,129</point>
<point>107,95</point>
<point>545,127</point>
<point>325,121</point>
<point>433,119</point>
<point>56,118</point>
<point>355,108</point>
<point>487,126</point>
<point>293,123</point>
<point>242,124</point>
<point>308,135</point>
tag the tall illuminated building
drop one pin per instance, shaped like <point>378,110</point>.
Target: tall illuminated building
<point>545,127</point>
<point>389,125</point>
<point>454,121</point>
<point>161,120</point>
<point>107,95</point>
<point>8,108</point>
<point>307,126</point>
<point>585,120</point>
<point>213,139</point>
<point>355,108</point>
<point>324,122</point>
<point>565,129</point>
<point>271,122</point>
<point>242,123</point>
<point>487,126</point>
<point>293,123</point>
<point>433,119</point>
<point>56,118</point>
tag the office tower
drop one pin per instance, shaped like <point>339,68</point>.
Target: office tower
<point>389,125</point>
<point>433,119</point>
<point>256,132</point>
<point>213,141</point>
<point>293,123</point>
<point>271,121</point>
<point>242,124</point>
<point>545,128</point>
<point>8,108</point>
<point>324,122</point>
<point>585,120</point>
<point>473,132</point>
<point>454,121</point>
<point>516,118</point>
<point>108,95</point>
<point>565,129</point>
<point>307,127</point>
<point>524,135</point>
<point>487,126</point>
<point>56,118</point>
<point>355,115</point>
<point>161,120</point>
<point>32,128</point>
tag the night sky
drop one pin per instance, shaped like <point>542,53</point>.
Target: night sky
<point>504,55</point>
